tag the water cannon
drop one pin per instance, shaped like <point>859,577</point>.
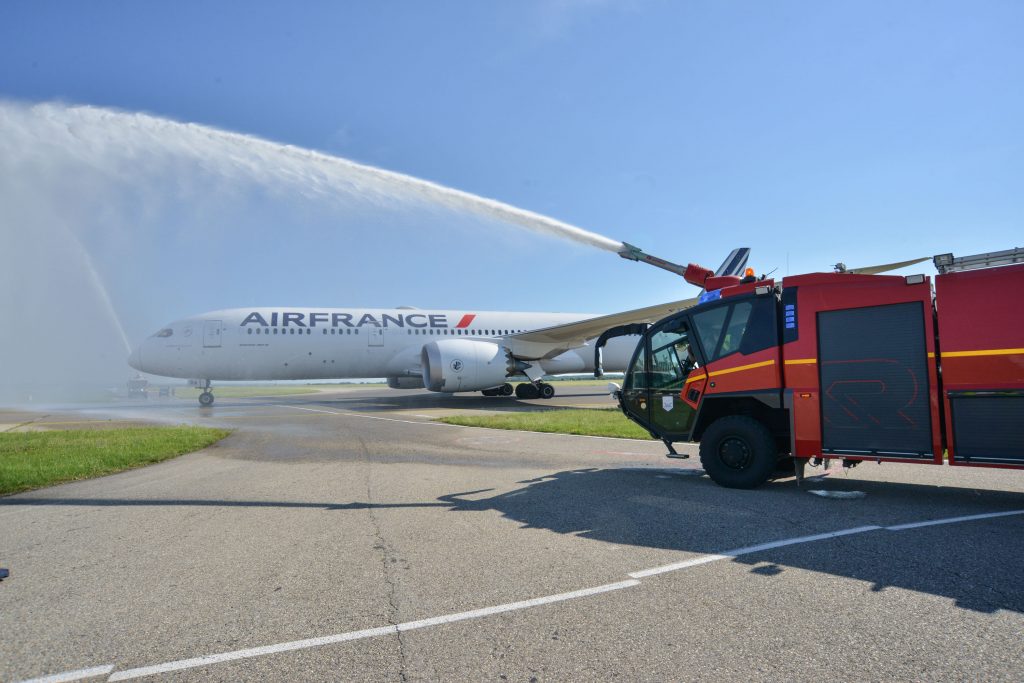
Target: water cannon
<point>692,273</point>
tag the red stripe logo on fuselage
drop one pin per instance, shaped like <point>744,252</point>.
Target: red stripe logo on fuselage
<point>466,320</point>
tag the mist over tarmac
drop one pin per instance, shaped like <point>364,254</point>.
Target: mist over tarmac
<point>107,217</point>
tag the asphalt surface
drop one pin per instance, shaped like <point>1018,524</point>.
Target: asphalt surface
<point>345,536</point>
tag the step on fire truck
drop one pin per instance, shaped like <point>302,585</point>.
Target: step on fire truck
<point>839,366</point>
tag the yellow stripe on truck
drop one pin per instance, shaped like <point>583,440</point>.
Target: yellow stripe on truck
<point>981,352</point>
<point>801,361</point>
<point>742,368</point>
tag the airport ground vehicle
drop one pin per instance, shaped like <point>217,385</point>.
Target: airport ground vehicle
<point>839,365</point>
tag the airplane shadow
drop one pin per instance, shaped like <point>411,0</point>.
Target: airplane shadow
<point>974,564</point>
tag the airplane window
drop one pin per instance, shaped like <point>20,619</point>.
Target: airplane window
<point>166,332</point>
<point>357,331</point>
<point>275,330</point>
<point>250,330</point>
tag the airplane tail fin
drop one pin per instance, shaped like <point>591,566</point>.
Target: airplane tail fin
<point>734,263</point>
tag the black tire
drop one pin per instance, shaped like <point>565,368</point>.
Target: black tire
<point>526,391</point>
<point>738,452</point>
<point>489,392</point>
<point>505,389</point>
<point>206,399</point>
<point>546,390</point>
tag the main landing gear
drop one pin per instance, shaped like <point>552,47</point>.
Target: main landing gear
<point>504,390</point>
<point>538,390</point>
<point>206,398</point>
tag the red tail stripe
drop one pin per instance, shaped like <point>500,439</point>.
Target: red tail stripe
<point>466,320</point>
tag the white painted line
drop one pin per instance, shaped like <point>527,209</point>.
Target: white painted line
<point>250,652</point>
<point>367,633</point>
<point>512,606</point>
<point>486,611</point>
<point>729,554</point>
<point>799,539</point>
<point>953,520</point>
<point>675,566</point>
<point>74,675</point>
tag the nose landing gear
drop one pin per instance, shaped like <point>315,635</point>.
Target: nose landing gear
<point>206,398</point>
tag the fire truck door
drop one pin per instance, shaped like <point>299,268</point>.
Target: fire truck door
<point>671,363</point>
<point>874,381</point>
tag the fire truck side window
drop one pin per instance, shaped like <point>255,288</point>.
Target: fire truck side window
<point>721,329</point>
<point>746,326</point>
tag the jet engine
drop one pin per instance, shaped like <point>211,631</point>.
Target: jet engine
<point>451,365</point>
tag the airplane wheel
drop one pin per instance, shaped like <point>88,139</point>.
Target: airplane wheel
<point>206,399</point>
<point>526,390</point>
<point>546,390</point>
<point>490,392</point>
<point>505,389</point>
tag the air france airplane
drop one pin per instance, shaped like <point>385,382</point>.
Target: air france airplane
<point>445,351</point>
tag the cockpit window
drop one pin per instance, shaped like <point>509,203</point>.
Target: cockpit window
<point>166,332</point>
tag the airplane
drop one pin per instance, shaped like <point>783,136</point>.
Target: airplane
<point>441,350</point>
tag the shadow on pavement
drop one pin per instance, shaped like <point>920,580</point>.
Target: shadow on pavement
<point>976,564</point>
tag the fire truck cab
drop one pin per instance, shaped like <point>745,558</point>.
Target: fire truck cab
<point>839,365</point>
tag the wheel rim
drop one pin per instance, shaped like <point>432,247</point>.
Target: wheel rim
<point>735,453</point>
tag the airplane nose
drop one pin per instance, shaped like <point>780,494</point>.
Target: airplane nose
<point>135,358</point>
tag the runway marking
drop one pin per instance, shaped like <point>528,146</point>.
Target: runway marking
<point>953,520</point>
<point>489,611</point>
<point>367,633</point>
<point>729,554</point>
<point>78,675</point>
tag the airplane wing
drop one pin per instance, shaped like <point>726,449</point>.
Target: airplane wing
<point>575,334</point>
<point>885,268</point>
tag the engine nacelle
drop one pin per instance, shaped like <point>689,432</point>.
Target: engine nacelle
<point>451,365</point>
<point>405,382</point>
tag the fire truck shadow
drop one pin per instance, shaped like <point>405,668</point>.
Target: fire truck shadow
<point>975,564</point>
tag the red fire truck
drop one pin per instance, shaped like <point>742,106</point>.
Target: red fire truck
<point>840,365</point>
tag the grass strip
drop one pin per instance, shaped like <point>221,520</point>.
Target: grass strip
<point>591,422</point>
<point>32,460</point>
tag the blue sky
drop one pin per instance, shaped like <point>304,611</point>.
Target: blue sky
<point>812,132</point>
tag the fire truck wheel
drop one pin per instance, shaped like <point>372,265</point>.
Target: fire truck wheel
<point>738,452</point>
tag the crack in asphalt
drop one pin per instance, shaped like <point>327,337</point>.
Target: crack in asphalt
<point>387,559</point>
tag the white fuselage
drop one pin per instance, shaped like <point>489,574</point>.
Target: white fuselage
<point>344,343</point>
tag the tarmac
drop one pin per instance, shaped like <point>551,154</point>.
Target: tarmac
<point>349,536</point>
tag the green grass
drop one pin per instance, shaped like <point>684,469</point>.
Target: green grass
<point>594,422</point>
<point>31,460</point>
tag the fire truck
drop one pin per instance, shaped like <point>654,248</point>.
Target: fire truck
<point>767,376</point>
